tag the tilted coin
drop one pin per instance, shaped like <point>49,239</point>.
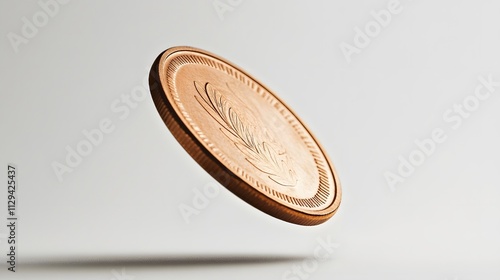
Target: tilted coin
<point>244,136</point>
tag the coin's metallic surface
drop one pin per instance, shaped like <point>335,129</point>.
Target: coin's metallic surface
<point>244,136</point>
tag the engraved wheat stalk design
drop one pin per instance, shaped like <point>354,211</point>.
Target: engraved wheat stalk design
<point>258,147</point>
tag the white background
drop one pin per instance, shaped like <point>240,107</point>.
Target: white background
<point>115,216</point>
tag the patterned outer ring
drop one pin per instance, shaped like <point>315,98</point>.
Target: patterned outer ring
<point>217,169</point>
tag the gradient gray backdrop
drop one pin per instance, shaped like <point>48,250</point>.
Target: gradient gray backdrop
<point>117,212</point>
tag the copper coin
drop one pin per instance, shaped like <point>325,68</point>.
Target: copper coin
<point>244,136</point>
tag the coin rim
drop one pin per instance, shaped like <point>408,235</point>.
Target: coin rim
<point>217,169</point>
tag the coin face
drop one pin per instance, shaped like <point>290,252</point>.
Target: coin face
<point>244,136</point>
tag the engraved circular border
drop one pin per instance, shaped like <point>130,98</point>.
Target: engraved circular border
<point>302,211</point>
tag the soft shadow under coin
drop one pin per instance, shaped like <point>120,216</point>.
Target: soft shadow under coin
<point>172,261</point>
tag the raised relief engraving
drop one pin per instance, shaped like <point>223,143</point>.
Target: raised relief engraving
<point>260,149</point>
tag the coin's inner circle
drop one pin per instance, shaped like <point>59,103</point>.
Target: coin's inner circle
<point>246,128</point>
